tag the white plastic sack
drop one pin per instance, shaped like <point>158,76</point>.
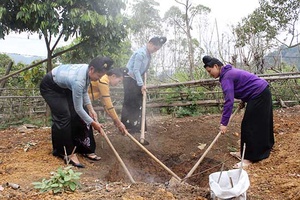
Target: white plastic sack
<point>224,189</point>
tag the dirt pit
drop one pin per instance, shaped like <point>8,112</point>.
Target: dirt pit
<point>25,157</point>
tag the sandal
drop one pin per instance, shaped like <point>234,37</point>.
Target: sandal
<point>237,155</point>
<point>92,156</point>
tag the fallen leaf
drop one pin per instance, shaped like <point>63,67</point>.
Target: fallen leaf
<point>201,146</point>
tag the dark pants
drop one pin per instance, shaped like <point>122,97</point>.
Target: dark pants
<point>67,126</point>
<point>132,105</point>
<point>257,127</point>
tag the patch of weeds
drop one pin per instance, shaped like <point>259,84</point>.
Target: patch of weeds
<point>187,111</point>
<point>64,179</point>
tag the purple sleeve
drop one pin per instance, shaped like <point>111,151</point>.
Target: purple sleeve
<point>228,91</point>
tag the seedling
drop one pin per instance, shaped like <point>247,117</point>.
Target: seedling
<point>62,180</point>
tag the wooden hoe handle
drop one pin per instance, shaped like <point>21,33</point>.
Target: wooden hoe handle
<point>118,157</point>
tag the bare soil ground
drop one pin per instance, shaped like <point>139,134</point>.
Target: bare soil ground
<point>25,157</point>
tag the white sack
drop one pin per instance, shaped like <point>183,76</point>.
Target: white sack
<point>223,189</point>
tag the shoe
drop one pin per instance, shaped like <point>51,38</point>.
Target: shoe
<point>237,155</point>
<point>92,156</point>
<point>79,165</point>
<point>246,163</point>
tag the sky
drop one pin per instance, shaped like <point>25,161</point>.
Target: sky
<point>226,13</point>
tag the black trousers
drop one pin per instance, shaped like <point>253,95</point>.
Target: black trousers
<point>68,130</point>
<point>132,105</point>
<point>257,127</point>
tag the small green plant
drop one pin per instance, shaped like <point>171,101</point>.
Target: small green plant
<point>61,180</point>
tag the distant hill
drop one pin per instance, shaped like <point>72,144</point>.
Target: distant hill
<point>25,59</point>
<point>289,56</point>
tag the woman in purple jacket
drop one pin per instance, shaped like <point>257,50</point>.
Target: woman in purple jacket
<point>257,124</point>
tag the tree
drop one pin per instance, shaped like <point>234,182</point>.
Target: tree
<point>5,67</point>
<point>183,21</point>
<point>98,23</point>
<point>284,17</point>
<point>173,19</point>
<point>4,61</point>
<point>27,79</point>
<point>145,21</point>
<point>262,29</point>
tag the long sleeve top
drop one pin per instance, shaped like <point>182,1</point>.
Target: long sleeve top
<point>75,78</point>
<point>138,64</point>
<point>100,90</point>
<point>238,84</point>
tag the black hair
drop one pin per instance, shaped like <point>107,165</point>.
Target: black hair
<point>101,64</point>
<point>210,62</point>
<point>119,72</point>
<point>158,40</point>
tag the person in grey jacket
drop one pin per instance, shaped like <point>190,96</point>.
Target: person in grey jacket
<point>65,89</point>
<point>134,86</point>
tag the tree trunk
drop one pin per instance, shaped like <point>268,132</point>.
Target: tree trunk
<point>3,82</point>
<point>190,45</point>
